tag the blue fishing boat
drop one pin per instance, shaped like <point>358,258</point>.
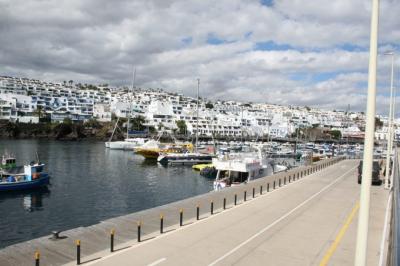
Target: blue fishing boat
<point>24,177</point>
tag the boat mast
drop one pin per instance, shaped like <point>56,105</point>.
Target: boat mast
<point>197,119</point>
<point>115,127</point>
<point>241,125</point>
<point>130,102</point>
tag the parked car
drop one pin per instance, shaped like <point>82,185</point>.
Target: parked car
<point>376,169</point>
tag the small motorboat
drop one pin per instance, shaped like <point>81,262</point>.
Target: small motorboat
<point>24,177</point>
<point>199,167</point>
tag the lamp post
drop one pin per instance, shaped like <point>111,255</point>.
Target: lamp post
<point>363,218</point>
<point>390,126</point>
<point>197,111</point>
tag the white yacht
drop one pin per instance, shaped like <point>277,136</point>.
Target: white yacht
<point>126,144</point>
<point>234,169</point>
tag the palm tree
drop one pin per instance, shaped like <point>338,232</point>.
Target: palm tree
<point>39,111</point>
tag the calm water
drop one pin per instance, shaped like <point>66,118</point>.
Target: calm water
<point>88,184</point>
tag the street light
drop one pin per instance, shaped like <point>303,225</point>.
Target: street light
<point>197,111</point>
<point>390,126</point>
<point>363,218</point>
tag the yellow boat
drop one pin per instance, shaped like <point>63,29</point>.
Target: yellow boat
<point>153,149</point>
<point>199,167</point>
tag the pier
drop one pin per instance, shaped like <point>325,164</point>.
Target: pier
<point>305,216</point>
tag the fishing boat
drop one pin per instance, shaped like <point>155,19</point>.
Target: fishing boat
<point>24,177</point>
<point>8,161</point>
<point>238,168</point>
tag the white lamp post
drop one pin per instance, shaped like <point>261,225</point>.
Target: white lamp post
<point>390,126</point>
<point>363,218</point>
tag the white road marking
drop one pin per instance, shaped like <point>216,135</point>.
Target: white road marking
<point>157,262</point>
<point>279,219</point>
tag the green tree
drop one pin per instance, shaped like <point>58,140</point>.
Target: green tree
<point>39,112</point>
<point>336,134</point>
<point>182,128</point>
<point>209,105</point>
<point>137,123</point>
<point>152,129</point>
<point>378,123</point>
<point>92,123</point>
<point>67,121</point>
<point>12,129</point>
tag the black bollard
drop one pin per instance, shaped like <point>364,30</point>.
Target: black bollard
<point>274,185</point>
<point>261,190</point>
<point>180,217</point>
<point>198,212</point>
<point>244,196</point>
<point>224,204</point>
<point>161,223</point>
<point>112,240</point>
<point>212,208</point>
<point>284,180</point>
<point>254,192</point>
<point>37,258</point>
<point>78,252</point>
<point>268,187</point>
<point>235,199</point>
<point>139,231</point>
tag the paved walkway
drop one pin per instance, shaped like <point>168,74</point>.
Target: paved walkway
<point>309,222</point>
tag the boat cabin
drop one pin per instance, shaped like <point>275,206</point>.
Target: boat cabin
<point>8,162</point>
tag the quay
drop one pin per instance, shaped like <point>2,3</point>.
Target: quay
<point>306,216</point>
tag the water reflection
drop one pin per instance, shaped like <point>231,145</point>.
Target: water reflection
<point>88,184</point>
<point>29,200</point>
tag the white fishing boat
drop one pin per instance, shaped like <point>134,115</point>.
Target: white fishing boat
<point>239,168</point>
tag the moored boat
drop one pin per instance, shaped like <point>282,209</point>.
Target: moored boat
<point>153,149</point>
<point>8,161</point>
<point>25,177</point>
<point>235,169</point>
<point>184,158</point>
<point>127,144</point>
<point>199,167</point>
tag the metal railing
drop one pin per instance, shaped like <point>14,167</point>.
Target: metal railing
<point>394,234</point>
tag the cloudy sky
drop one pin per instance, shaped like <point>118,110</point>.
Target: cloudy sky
<point>297,52</point>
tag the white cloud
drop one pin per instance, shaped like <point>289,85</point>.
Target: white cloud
<point>100,41</point>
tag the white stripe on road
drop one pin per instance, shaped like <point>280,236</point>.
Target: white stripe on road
<point>280,219</point>
<point>157,262</point>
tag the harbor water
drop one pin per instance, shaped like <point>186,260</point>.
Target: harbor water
<point>89,183</point>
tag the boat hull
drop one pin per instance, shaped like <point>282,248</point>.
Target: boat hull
<point>121,145</point>
<point>149,154</point>
<point>43,180</point>
<point>184,159</point>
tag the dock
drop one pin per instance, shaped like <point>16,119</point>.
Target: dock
<point>305,216</point>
